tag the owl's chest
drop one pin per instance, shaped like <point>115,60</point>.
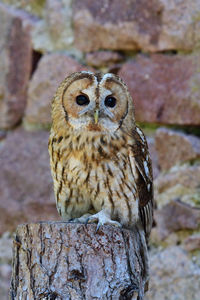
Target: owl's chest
<point>91,174</point>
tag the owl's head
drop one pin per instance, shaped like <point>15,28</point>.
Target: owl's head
<point>93,102</point>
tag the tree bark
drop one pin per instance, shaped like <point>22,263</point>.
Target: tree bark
<point>59,260</point>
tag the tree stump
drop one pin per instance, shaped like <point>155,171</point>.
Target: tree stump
<point>59,260</point>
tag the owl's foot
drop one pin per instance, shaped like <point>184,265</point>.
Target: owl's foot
<point>102,219</point>
<point>83,219</point>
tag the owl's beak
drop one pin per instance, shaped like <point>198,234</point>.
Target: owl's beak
<point>96,116</point>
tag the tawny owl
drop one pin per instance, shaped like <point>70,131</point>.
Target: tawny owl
<point>99,158</point>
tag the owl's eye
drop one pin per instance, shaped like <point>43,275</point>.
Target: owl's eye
<point>110,101</point>
<point>82,100</point>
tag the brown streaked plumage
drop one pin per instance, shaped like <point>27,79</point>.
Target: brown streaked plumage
<point>99,158</point>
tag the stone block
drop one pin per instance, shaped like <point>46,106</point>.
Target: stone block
<point>134,25</point>
<point>174,147</point>
<point>15,64</point>
<point>26,187</point>
<point>165,88</point>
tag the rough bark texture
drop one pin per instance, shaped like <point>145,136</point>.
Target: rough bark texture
<point>58,260</point>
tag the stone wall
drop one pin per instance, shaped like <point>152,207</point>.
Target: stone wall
<point>155,47</point>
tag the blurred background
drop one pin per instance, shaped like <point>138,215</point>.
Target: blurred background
<point>154,45</point>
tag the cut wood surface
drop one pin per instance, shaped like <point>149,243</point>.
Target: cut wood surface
<point>59,260</point>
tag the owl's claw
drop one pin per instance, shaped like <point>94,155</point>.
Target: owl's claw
<point>83,219</point>
<point>97,228</point>
<point>102,219</point>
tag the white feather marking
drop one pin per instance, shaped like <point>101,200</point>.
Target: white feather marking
<point>78,123</point>
<point>146,168</point>
<point>87,72</point>
<point>106,76</point>
<point>140,133</point>
<point>105,92</point>
<point>148,187</point>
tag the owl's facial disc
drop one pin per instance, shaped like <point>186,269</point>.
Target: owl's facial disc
<point>95,103</point>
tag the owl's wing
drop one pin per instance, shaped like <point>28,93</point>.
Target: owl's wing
<point>142,169</point>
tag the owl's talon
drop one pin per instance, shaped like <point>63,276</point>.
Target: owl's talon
<point>74,220</point>
<point>102,219</point>
<point>86,222</point>
<point>91,220</point>
<point>83,219</point>
<point>97,228</point>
